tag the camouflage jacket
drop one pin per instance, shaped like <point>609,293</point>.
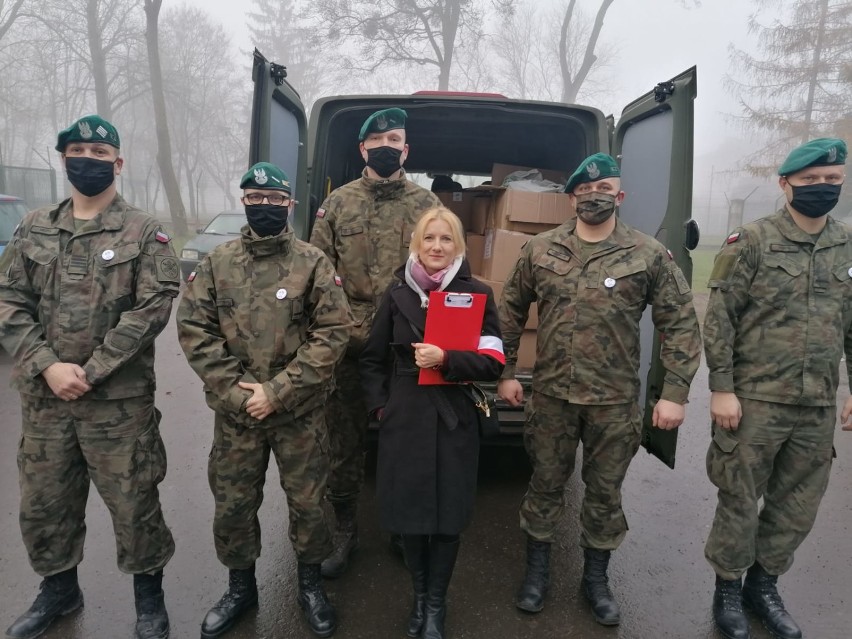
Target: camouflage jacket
<point>780,312</point>
<point>588,339</point>
<point>365,228</point>
<point>264,310</point>
<point>96,297</point>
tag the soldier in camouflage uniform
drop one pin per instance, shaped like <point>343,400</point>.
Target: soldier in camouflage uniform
<point>778,322</point>
<point>592,278</point>
<point>263,322</point>
<point>85,288</point>
<point>365,228</point>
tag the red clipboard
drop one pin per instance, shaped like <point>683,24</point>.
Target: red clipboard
<point>453,323</point>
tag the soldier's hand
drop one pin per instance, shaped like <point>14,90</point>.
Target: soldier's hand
<point>846,414</point>
<point>67,381</point>
<point>428,355</point>
<point>668,415</point>
<point>258,405</point>
<point>510,391</point>
<point>725,410</point>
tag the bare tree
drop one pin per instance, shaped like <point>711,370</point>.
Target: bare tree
<point>164,146</point>
<point>408,32</point>
<point>795,88</point>
<point>8,15</point>
<point>574,72</point>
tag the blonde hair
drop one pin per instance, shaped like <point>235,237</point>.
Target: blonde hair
<point>445,215</point>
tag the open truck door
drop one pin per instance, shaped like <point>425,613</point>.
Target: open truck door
<point>654,143</point>
<point>279,131</point>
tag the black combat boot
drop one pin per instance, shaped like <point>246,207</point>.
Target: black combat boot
<point>728,609</point>
<point>152,620</point>
<point>596,587</point>
<point>533,590</point>
<point>416,548</point>
<point>760,595</point>
<point>240,596</point>
<point>319,612</point>
<point>345,539</point>
<point>442,561</point>
<point>58,595</point>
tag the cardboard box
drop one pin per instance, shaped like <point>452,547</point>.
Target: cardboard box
<point>459,202</point>
<point>480,207</point>
<point>526,212</point>
<point>497,287</point>
<point>501,253</point>
<point>475,251</point>
<point>526,352</point>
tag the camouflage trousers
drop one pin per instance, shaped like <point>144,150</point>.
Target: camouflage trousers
<point>780,453</point>
<point>346,417</point>
<point>610,436</point>
<point>236,471</point>
<point>114,443</point>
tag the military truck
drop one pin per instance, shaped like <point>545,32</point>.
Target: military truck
<point>466,134</point>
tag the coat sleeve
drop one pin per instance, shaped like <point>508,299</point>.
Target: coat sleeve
<point>330,321</point>
<point>204,344</point>
<point>518,294</point>
<point>322,235</point>
<point>21,332</point>
<point>376,359</point>
<point>486,363</point>
<point>157,284</point>
<point>674,316</point>
<point>733,270</point>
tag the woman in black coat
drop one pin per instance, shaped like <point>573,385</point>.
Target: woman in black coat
<point>429,437</point>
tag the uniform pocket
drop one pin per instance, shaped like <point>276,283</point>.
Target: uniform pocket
<point>115,271</point>
<point>725,440</point>
<point>626,283</point>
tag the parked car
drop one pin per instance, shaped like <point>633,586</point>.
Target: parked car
<point>225,226</point>
<point>12,210</point>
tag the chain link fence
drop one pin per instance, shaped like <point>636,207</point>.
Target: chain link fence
<point>37,187</point>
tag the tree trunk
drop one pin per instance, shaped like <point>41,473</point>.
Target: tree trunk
<point>449,29</point>
<point>571,86</point>
<point>99,70</point>
<point>814,71</point>
<point>164,146</point>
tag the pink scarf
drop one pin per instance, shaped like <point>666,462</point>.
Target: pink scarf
<point>424,280</point>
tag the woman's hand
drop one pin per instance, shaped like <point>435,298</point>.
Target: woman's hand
<point>428,355</point>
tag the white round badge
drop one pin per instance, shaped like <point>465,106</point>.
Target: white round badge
<point>281,293</point>
<point>108,255</point>
<point>850,272</point>
<point>609,282</point>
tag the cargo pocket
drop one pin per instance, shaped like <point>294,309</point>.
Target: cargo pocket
<point>626,283</point>
<point>724,440</point>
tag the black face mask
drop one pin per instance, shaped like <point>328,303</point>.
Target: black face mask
<point>384,160</point>
<point>815,200</point>
<point>266,219</point>
<point>89,176</point>
<point>595,208</point>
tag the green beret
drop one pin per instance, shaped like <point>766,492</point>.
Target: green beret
<point>384,120</point>
<point>264,175</point>
<point>593,168</point>
<point>819,152</point>
<point>89,128</point>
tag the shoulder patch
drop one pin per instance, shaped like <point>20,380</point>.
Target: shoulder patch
<point>320,213</point>
<point>167,269</point>
<point>733,237</point>
<point>669,253</point>
<point>337,280</point>
<point>191,277</point>
<point>162,236</point>
<point>722,268</point>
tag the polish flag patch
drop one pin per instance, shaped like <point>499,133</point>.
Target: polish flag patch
<point>191,277</point>
<point>162,237</point>
<point>338,281</point>
<point>733,237</point>
<point>320,213</point>
<point>671,257</point>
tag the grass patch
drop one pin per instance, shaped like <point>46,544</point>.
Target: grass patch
<point>702,265</point>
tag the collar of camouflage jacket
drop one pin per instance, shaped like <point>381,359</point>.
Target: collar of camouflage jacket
<point>832,235</point>
<point>383,188</point>
<point>110,219</point>
<point>264,246</point>
<point>622,237</point>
